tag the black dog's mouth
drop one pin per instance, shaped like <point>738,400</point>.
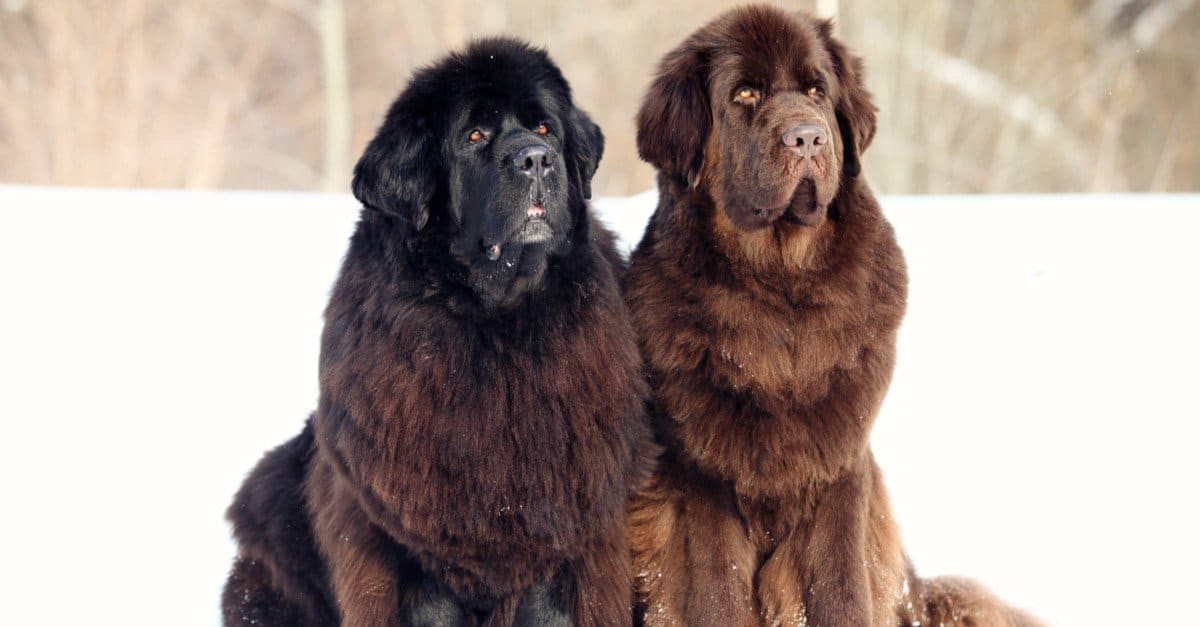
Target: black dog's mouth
<point>530,227</point>
<point>535,228</point>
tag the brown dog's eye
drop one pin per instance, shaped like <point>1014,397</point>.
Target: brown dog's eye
<point>475,137</point>
<point>542,129</point>
<point>816,92</point>
<point>747,96</point>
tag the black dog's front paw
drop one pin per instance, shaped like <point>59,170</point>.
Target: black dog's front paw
<point>431,606</point>
<point>544,605</point>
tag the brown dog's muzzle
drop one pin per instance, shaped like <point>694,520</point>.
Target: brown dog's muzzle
<point>787,171</point>
<point>801,127</point>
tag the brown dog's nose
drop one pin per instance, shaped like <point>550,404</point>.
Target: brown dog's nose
<point>806,139</point>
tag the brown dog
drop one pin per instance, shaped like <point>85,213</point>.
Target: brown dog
<point>767,292</point>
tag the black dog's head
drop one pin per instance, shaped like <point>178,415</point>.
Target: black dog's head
<point>485,151</point>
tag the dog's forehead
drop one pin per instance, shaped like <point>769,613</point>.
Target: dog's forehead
<point>503,78</point>
<point>492,100</point>
<point>769,46</point>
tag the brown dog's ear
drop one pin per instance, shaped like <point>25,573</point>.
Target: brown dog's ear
<point>674,121</point>
<point>854,108</point>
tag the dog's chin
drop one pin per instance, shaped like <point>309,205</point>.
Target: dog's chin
<point>534,231</point>
<point>536,224</point>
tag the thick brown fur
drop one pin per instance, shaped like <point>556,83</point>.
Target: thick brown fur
<point>767,293</point>
<point>482,416</point>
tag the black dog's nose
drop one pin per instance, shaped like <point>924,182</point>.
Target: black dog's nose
<point>805,139</point>
<point>533,161</point>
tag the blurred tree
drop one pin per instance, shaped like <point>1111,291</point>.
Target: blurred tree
<point>974,95</point>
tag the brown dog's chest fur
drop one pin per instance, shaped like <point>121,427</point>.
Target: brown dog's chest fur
<point>769,354</point>
<point>778,353</point>
<point>768,374</point>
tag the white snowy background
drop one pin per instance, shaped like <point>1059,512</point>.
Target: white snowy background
<point>1040,434</point>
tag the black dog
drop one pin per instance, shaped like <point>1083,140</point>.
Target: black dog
<point>481,417</point>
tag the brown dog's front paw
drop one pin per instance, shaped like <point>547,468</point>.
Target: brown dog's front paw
<point>792,615</point>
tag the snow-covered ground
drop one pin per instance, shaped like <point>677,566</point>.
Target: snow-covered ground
<point>1040,434</point>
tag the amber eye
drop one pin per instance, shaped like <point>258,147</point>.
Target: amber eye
<point>475,137</point>
<point>542,129</point>
<point>816,92</point>
<point>747,96</point>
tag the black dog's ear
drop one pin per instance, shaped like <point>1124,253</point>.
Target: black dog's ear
<point>396,173</point>
<point>853,106</point>
<point>585,145</point>
<point>674,120</point>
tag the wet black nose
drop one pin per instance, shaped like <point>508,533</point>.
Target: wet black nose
<point>806,139</point>
<point>533,161</point>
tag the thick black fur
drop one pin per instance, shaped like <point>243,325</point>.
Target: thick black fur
<point>481,420</point>
<point>269,512</point>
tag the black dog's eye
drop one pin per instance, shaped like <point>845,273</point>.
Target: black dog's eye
<point>816,92</point>
<point>476,136</point>
<point>748,96</point>
<point>542,129</point>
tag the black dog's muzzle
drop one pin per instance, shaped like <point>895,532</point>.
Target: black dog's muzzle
<point>533,161</point>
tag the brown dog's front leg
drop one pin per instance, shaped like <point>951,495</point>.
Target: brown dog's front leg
<point>839,590</point>
<point>693,559</point>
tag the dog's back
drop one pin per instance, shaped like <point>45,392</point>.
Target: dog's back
<point>278,578</point>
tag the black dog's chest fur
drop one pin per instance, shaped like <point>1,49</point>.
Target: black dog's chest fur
<point>481,441</point>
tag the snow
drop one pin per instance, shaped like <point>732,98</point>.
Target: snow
<point>1039,435</point>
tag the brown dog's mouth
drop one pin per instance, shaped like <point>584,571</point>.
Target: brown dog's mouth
<point>805,209</point>
<point>802,210</point>
<point>769,215</point>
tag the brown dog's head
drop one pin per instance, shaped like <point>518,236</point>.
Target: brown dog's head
<point>764,111</point>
